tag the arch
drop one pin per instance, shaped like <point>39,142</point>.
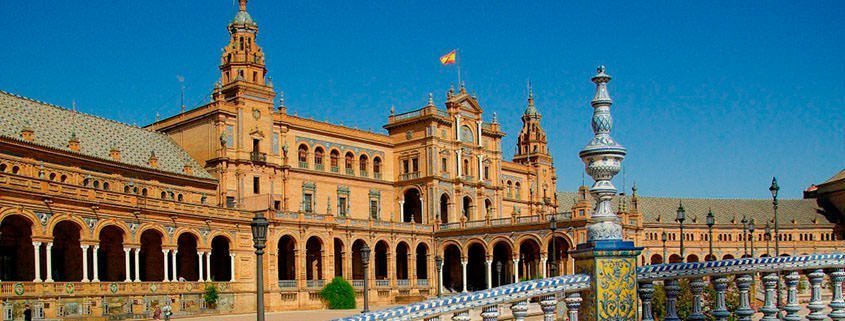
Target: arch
<point>473,241</point>
<point>466,207</point>
<point>152,260</point>
<point>357,263</point>
<point>314,258</point>
<point>727,257</point>
<point>110,255</point>
<point>151,227</point>
<point>115,224</point>
<point>363,164</point>
<point>692,258</point>
<point>287,257</point>
<point>444,208</point>
<point>380,256</point>
<point>656,259</point>
<point>27,215</point>
<point>525,238</point>
<point>377,167</point>
<point>185,230</point>
<point>318,157</point>
<point>17,257</point>
<point>349,162</point>
<point>675,258</point>
<point>76,220</point>
<point>502,265</point>
<point>517,190</point>
<point>509,189</point>
<point>67,250</point>
<point>339,253</point>
<point>422,261</point>
<point>452,269</point>
<point>188,263</point>
<point>477,263</point>
<point>500,239</point>
<point>334,160</point>
<point>558,256</point>
<point>709,257</point>
<point>302,155</point>
<point>221,260</point>
<point>529,259</point>
<point>401,254</point>
<point>412,206</point>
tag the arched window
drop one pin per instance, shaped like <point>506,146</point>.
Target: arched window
<point>377,167</point>
<point>303,156</point>
<point>335,159</point>
<point>517,190</point>
<point>350,159</point>
<point>466,134</point>
<point>362,165</point>
<point>466,167</point>
<point>318,158</point>
<point>510,189</point>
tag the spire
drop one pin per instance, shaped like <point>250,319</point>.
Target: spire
<point>531,110</point>
<point>430,99</point>
<point>242,5</point>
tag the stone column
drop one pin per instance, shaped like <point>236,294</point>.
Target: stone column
<point>173,265</point>
<point>199,266</point>
<point>208,266</point>
<point>85,263</point>
<point>545,261</point>
<point>489,274</point>
<point>464,279</point>
<point>96,255</point>
<point>37,250</point>
<point>515,270</point>
<point>126,264</point>
<point>137,264</point>
<point>401,211</point>
<point>232,266</point>
<point>166,254</point>
<point>440,277</point>
<point>49,262</point>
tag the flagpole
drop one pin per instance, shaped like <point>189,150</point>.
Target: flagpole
<point>458,62</point>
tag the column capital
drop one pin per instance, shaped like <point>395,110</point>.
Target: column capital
<point>36,243</point>
<point>49,244</point>
<point>85,246</point>
<point>126,249</point>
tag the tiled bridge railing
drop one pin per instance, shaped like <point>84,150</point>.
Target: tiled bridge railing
<point>547,292</point>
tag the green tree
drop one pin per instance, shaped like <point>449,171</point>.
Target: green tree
<point>211,295</point>
<point>339,294</point>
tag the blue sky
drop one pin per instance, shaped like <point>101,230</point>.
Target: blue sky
<point>711,99</point>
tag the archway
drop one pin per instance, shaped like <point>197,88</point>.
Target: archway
<point>314,258</point>
<point>402,261</point>
<point>17,257</point>
<point>559,257</point>
<point>287,258</point>
<point>67,253</point>
<point>467,208</point>
<point>502,264</point>
<point>692,258</point>
<point>422,261</point>
<point>729,257</point>
<point>221,260</point>
<point>529,260</point>
<point>488,208</point>
<point>444,208</point>
<point>338,257</point>
<point>657,259</point>
<point>674,258</point>
<point>110,257</point>
<point>152,259</point>
<point>187,259</point>
<point>380,263</point>
<point>710,257</point>
<point>452,270</point>
<point>357,263</point>
<point>477,263</point>
<point>412,208</point>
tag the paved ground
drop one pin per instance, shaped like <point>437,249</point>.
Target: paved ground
<point>309,315</point>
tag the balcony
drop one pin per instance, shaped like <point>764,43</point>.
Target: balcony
<point>363,173</point>
<point>382,283</point>
<point>303,164</point>
<point>403,282</point>
<point>318,167</point>
<point>258,157</point>
<point>287,284</point>
<point>358,283</point>
<point>350,171</point>
<point>311,284</point>
<point>422,282</point>
<point>409,176</point>
<point>377,175</point>
<point>335,169</point>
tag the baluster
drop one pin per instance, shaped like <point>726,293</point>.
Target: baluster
<point>837,304</point>
<point>519,310</point>
<point>461,316</point>
<point>816,305</point>
<point>672,288</point>
<point>490,313</point>
<point>792,306</point>
<point>435,318</point>
<point>573,303</point>
<point>697,286</point>
<point>769,309</point>
<point>743,283</point>
<point>720,310</point>
<point>646,291</point>
<point>548,304</point>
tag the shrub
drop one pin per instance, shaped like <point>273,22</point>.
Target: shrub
<point>339,294</point>
<point>211,294</point>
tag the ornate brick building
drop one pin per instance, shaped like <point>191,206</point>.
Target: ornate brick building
<point>103,218</point>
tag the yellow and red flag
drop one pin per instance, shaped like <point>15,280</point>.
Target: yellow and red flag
<point>449,58</point>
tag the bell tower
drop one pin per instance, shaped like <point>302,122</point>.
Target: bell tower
<point>531,145</point>
<point>242,61</point>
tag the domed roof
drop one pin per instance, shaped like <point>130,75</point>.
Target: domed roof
<point>243,17</point>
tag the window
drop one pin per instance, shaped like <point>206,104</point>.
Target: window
<point>415,164</point>
<point>335,156</point>
<point>363,162</point>
<point>230,201</point>
<point>487,174</point>
<point>374,209</point>
<point>377,167</point>
<point>256,185</point>
<point>349,160</point>
<point>405,166</point>
<point>443,165</point>
<point>303,156</point>
<point>255,145</point>
<point>341,206</point>
<point>307,202</point>
<point>277,205</point>
<point>466,167</point>
<point>318,157</point>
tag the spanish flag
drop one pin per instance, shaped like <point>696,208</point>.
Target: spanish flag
<point>449,58</point>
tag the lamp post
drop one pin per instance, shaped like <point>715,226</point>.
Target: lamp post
<point>438,263</point>
<point>774,188</point>
<point>711,220</point>
<point>751,234</point>
<point>767,234</point>
<point>259,239</point>
<point>499,272</point>
<point>744,222</point>
<point>553,227</point>
<point>365,259</point>
<point>682,216</point>
<point>663,238</point>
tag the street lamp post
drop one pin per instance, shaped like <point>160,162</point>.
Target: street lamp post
<point>711,220</point>
<point>767,234</point>
<point>751,234</point>
<point>682,216</point>
<point>774,188</point>
<point>365,259</point>
<point>438,263</point>
<point>553,227</point>
<point>663,238</point>
<point>259,239</point>
<point>744,222</point>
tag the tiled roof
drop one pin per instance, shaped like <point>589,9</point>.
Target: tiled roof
<point>53,126</point>
<point>837,177</point>
<point>663,209</point>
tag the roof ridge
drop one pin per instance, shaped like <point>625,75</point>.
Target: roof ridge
<point>68,109</point>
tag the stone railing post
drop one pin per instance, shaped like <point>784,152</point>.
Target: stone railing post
<point>490,313</point>
<point>697,287</point>
<point>672,289</point>
<point>792,306</point>
<point>816,305</point>
<point>720,309</point>
<point>646,291</point>
<point>573,304</point>
<point>548,304</point>
<point>769,309</point>
<point>837,304</point>
<point>519,310</point>
<point>743,283</point>
<point>461,316</point>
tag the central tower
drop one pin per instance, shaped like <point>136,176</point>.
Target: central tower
<point>242,62</point>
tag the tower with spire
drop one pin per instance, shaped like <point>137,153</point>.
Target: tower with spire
<point>242,66</point>
<point>532,146</point>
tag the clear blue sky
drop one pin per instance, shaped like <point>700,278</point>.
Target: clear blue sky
<point>711,99</point>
